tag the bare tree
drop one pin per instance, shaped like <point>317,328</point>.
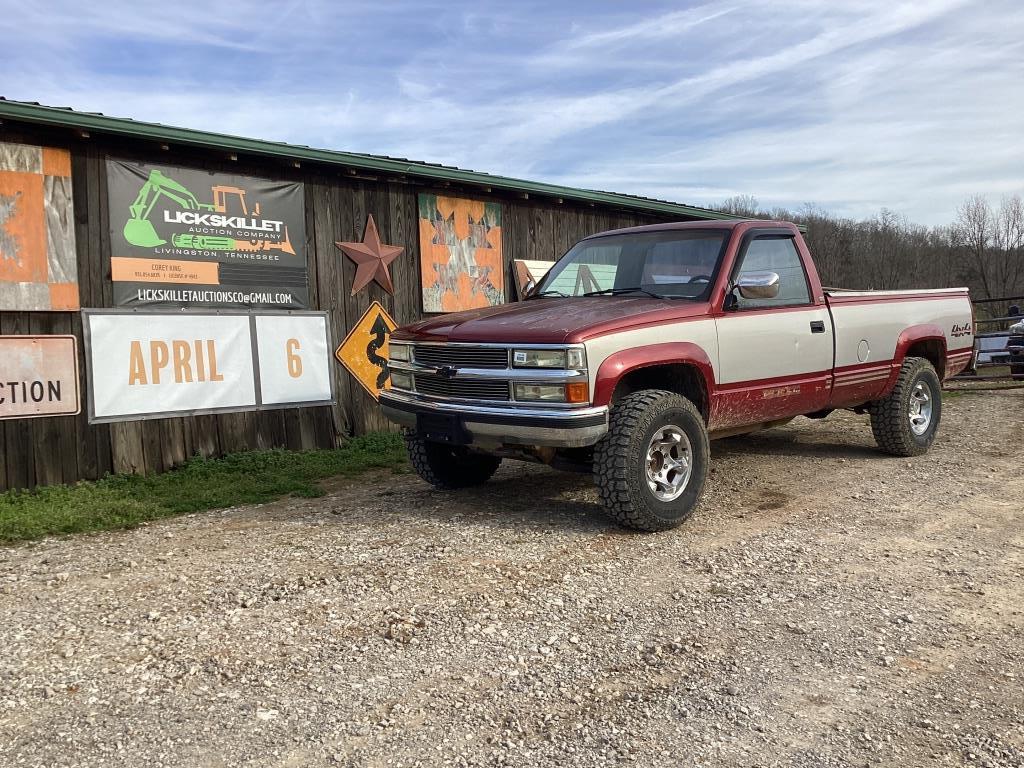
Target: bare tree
<point>983,249</point>
<point>974,221</point>
<point>885,255</point>
<point>741,205</point>
<point>945,266</point>
<point>1007,261</point>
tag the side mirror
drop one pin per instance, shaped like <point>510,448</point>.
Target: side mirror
<point>758,285</point>
<point>529,288</point>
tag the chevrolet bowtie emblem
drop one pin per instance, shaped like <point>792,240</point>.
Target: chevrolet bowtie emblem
<point>446,371</point>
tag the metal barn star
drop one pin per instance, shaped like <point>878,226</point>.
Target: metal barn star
<point>372,259</point>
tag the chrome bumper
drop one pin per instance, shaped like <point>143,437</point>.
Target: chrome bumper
<point>487,425</point>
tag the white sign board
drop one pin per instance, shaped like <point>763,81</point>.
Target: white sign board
<point>153,364</point>
<point>294,358</point>
<point>38,376</point>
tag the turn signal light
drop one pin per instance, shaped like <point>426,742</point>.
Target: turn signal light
<point>577,392</point>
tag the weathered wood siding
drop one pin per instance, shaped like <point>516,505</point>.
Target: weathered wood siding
<point>66,449</point>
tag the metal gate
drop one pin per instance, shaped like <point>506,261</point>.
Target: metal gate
<point>994,361</point>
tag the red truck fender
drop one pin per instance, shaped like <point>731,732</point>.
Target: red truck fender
<point>621,363</point>
<point>911,336</point>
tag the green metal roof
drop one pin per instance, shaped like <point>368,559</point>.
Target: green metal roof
<point>93,121</point>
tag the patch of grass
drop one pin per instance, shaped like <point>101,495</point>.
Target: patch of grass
<point>254,477</point>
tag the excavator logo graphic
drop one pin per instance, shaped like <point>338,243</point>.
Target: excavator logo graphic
<point>139,230</point>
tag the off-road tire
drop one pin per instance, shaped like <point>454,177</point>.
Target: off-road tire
<point>890,421</point>
<point>620,460</point>
<point>448,466</point>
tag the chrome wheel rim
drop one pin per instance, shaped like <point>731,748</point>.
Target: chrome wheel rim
<point>920,408</point>
<point>669,463</point>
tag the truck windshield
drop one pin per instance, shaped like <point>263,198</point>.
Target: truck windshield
<point>665,263</point>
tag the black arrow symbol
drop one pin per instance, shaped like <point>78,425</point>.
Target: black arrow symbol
<point>380,332</point>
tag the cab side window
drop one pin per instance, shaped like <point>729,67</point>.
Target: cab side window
<point>778,255</point>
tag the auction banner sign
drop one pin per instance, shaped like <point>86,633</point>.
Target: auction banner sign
<point>38,376</point>
<point>191,238</point>
<point>147,365</point>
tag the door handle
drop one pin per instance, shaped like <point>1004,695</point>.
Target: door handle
<point>817,326</point>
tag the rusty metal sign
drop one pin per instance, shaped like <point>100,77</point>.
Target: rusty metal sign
<point>364,352</point>
<point>38,376</point>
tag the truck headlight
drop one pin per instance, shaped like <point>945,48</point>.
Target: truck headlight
<point>401,380</point>
<point>574,392</point>
<point>400,353</point>
<point>571,358</point>
<point>551,393</point>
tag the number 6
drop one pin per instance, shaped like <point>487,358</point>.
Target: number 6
<point>294,361</point>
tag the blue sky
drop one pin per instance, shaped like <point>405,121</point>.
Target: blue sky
<point>853,105</point>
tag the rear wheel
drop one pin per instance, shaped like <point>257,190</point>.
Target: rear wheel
<point>650,467</point>
<point>904,423</point>
<point>449,466</point>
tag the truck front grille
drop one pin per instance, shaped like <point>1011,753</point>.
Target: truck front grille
<point>460,357</point>
<point>470,389</point>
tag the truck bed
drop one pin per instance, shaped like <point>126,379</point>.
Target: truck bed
<point>873,329</point>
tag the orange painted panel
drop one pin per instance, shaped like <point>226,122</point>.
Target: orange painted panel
<point>461,263</point>
<point>23,239</point>
<point>64,296</point>
<point>56,162</point>
<point>463,211</point>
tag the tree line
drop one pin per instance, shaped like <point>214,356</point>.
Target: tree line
<point>983,248</point>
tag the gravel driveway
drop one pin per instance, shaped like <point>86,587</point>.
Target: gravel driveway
<point>827,606</point>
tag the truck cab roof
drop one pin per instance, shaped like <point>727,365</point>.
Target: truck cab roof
<point>723,224</point>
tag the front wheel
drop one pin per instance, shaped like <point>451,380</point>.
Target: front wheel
<point>904,423</point>
<point>650,467</point>
<point>447,466</point>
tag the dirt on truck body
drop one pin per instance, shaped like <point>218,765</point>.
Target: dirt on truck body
<point>827,607</point>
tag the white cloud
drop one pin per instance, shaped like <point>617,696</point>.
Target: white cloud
<point>664,26</point>
<point>853,105</point>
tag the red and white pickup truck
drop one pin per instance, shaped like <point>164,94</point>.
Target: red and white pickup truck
<point>640,345</point>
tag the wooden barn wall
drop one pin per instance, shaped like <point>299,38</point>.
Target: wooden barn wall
<point>65,449</point>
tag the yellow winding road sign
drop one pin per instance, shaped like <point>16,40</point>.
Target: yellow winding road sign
<point>364,352</point>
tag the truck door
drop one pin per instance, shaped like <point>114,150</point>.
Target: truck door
<point>775,354</point>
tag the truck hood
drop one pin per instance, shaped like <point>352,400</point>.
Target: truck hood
<point>551,321</point>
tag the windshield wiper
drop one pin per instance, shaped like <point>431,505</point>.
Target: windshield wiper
<point>617,291</point>
<point>539,294</point>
